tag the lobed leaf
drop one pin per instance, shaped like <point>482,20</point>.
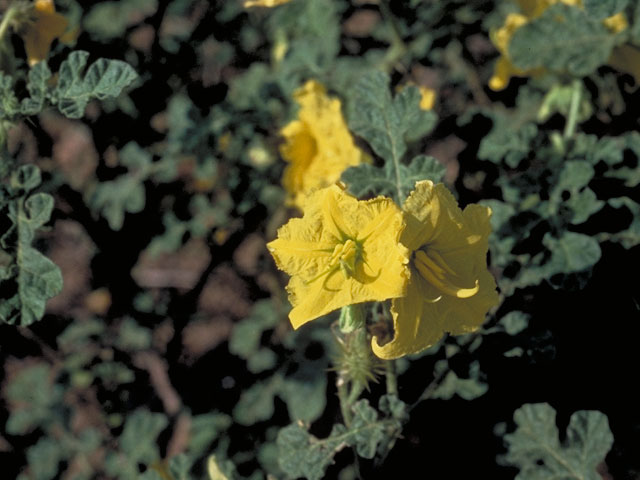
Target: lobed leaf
<point>103,79</point>
<point>30,278</point>
<point>563,39</point>
<point>387,123</point>
<point>365,179</point>
<point>537,451</point>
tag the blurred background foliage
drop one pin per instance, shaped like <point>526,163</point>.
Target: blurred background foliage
<point>165,352</point>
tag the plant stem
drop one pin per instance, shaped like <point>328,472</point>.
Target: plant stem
<point>398,48</point>
<point>391,378</point>
<point>7,18</point>
<point>345,409</point>
<point>574,106</point>
<point>430,389</point>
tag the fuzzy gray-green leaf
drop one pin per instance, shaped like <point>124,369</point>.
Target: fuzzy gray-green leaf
<point>103,79</point>
<point>39,75</point>
<point>303,455</point>
<point>536,449</point>
<point>366,179</point>
<point>563,39</point>
<point>30,278</point>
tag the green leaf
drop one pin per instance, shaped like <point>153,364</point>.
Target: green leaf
<point>366,430</point>
<point>44,458</point>
<point>138,439</point>
<point>9,106</point>
<point>572,252</point>
<point>601,9</point>
<point>179,467</point>
<point>394,408</point>
<point>514,322</point>
<point>466,388</point>
<point>205,429</point>
<point>385,122</point>
<point>631,236</point>
<point>103,79</point>
<point>31,278</point>
<point>246,334</point>
<point>563,39</point>
<point>126,193</point>
<point>537,451</point>
<point>132,337</point>
<point>39,75</point>
<point>508,144</point>
<point>114,373</point>
<point>32,389</point>
<point>305,391</point>
<point>78,334</point>
<point>256,402</point>
<point>108,20</point>
<point>303,455</point>
<point>365,179</point>
<point>582,201</point>
<point>630,175</point>
<point>574,176</point>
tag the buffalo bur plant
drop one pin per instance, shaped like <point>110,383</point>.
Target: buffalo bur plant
<point>282,239</point>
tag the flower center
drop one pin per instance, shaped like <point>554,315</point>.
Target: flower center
<point>435,270</point>
<point>344,257</point>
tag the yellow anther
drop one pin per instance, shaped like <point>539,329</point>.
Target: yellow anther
<point>440,261</point>
<point>435,268</point>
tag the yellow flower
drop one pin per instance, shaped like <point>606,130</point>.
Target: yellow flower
<point>427,98</point>
<point>264,3</point>
<point>341,252</point>
<point>450,289</point>
<point>39,34</point>
<point>501,38</point>
<point>318,145</point>
<point>531,9</point>
<point>616,23</point>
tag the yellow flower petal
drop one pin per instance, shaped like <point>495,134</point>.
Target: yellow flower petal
<point>38,35</point>
<point>318,145</point>
<point>332,262</point>
<point>427,98</point>
<point>264,3</point>
<point>450,289</point>
<point>616,23</point>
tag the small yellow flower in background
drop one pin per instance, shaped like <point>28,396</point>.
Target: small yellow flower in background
<point>450,289</point>
<point>264,3</point>
<point>616,23</point>
<point>39,34</point>
<point>318,145</point>
<point>428,98</point>
<point>531,9</point>
<point>343,251</point>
